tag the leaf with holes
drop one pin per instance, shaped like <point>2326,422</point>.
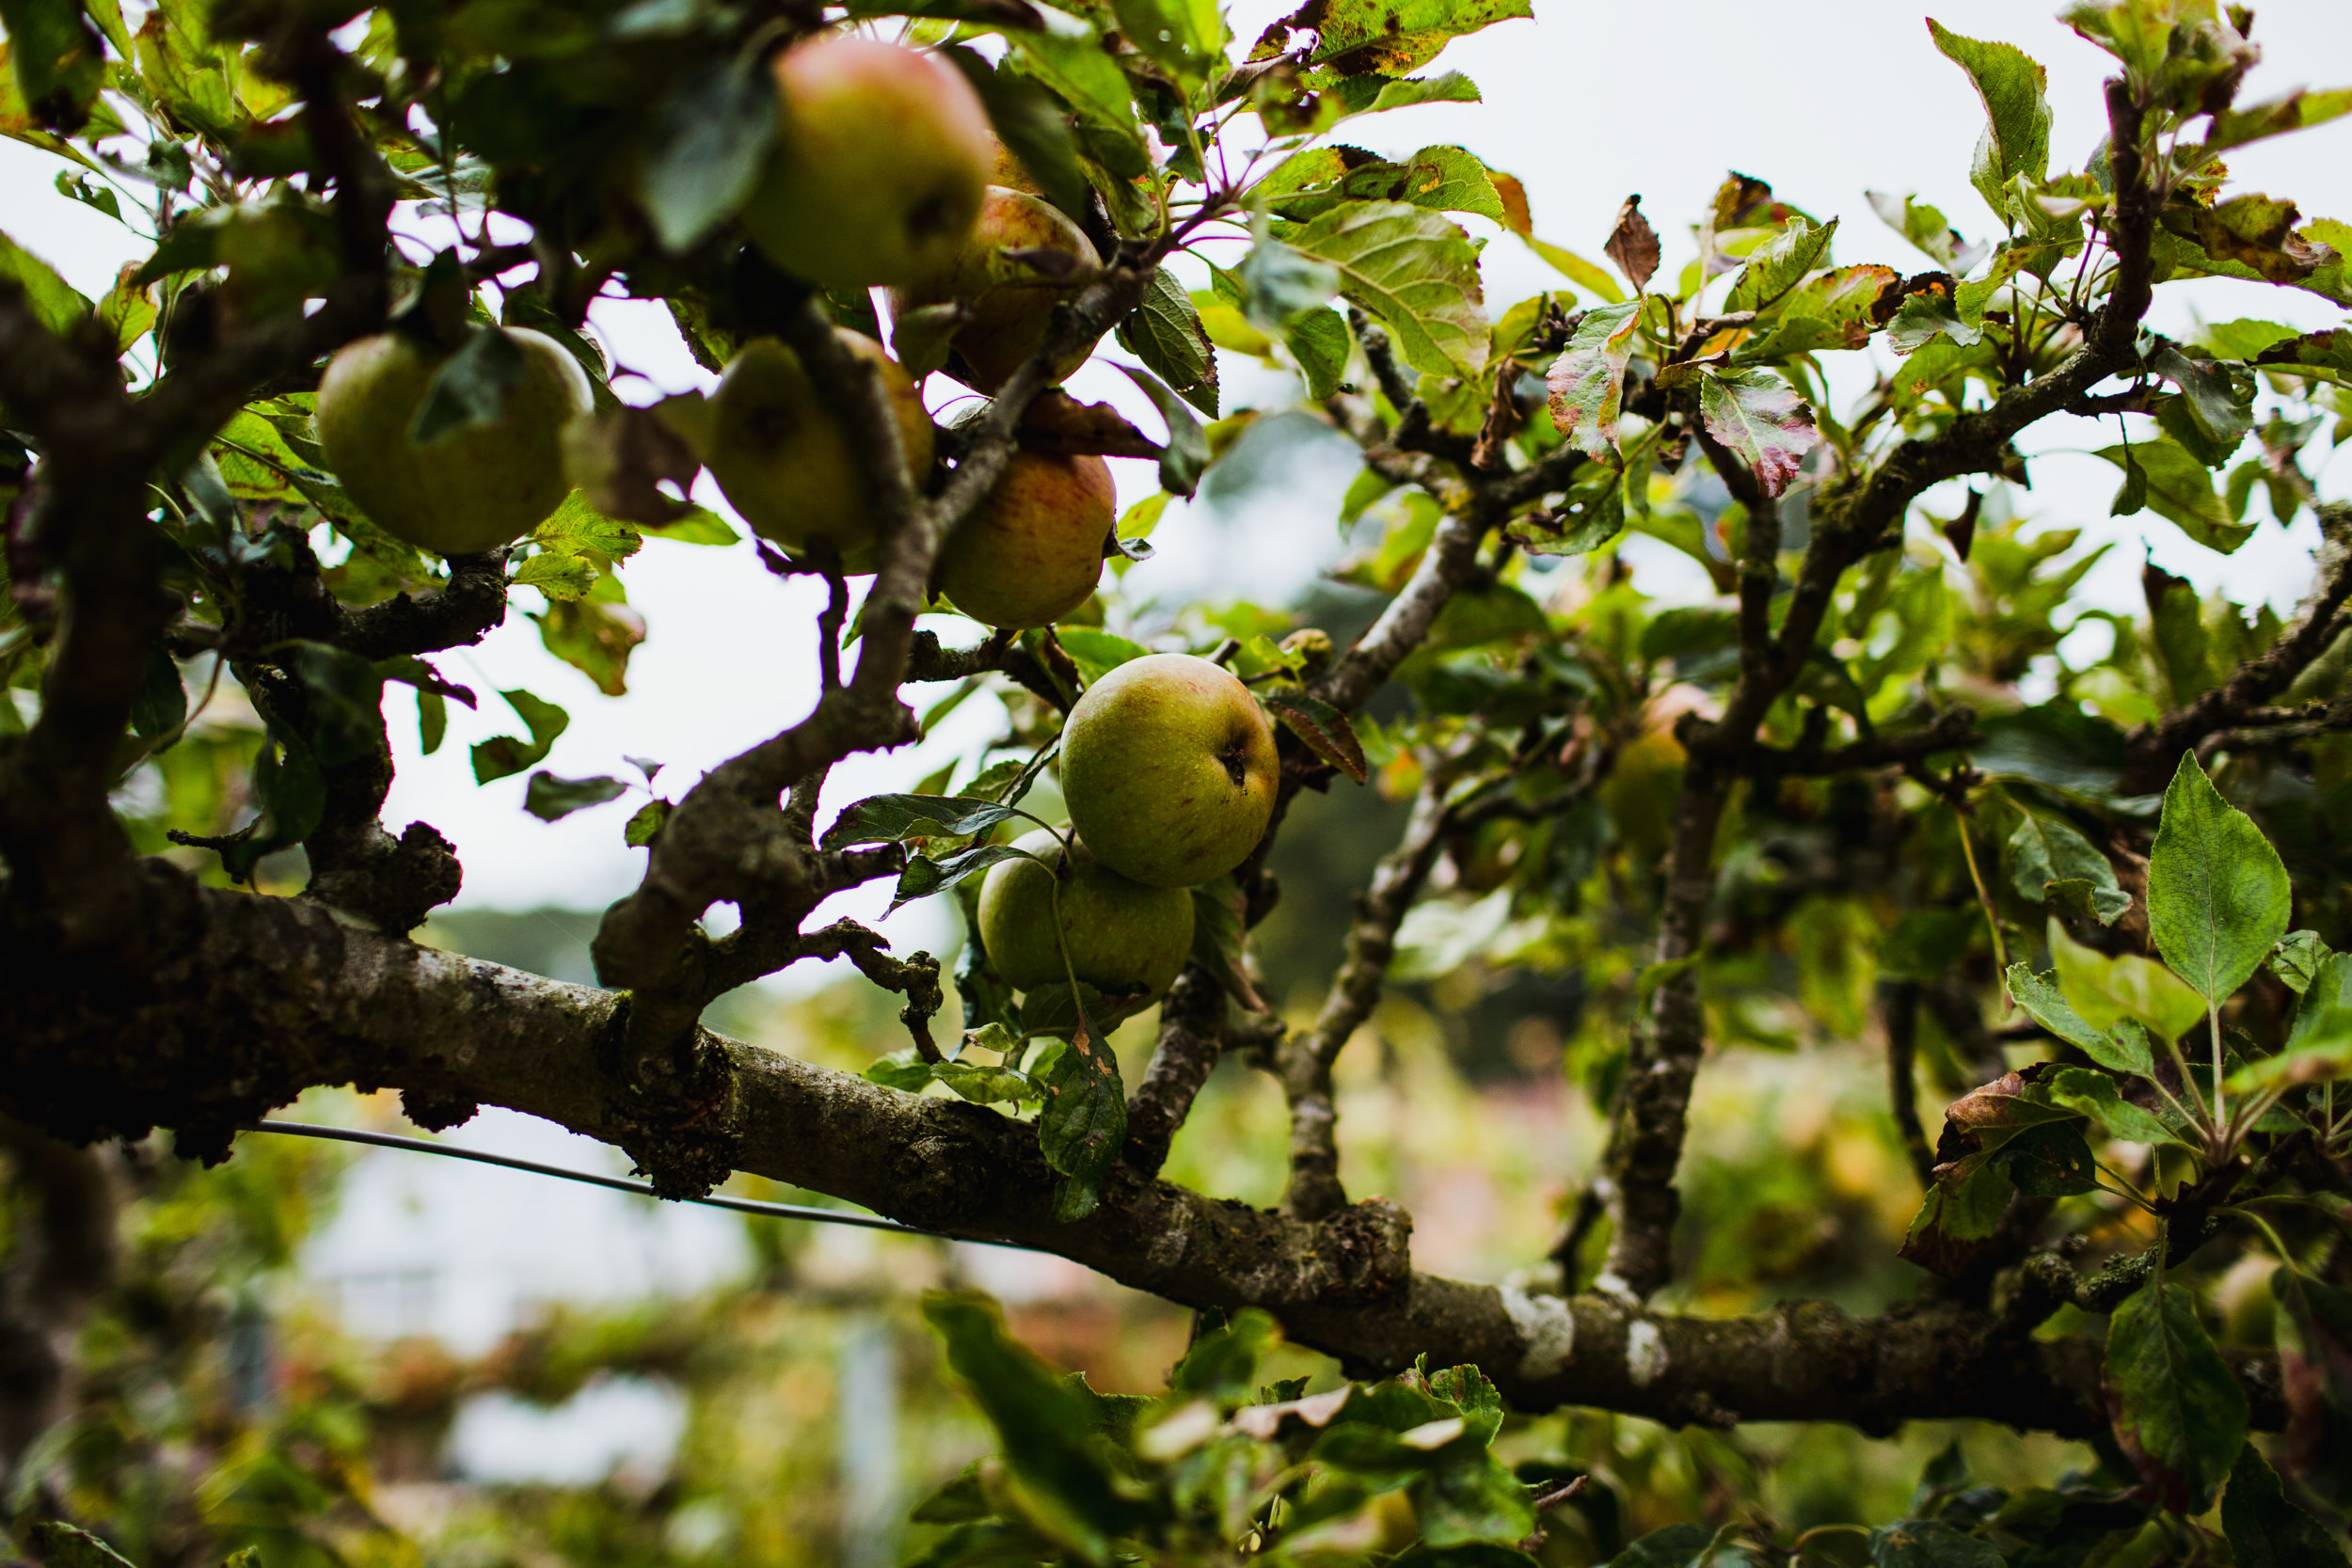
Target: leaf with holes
<point>1322,727</point>
<point>1084,1123</point>
<point>1761,420</point>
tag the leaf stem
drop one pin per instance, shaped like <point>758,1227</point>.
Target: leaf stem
<point>2220,1113</point>
<point>1984,899</point>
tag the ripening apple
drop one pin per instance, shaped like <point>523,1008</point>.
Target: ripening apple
<point>1010,302</point>
<point>881,155</point>
<point>1122,934</point>
<point>789,463</point>
<point>471,489</point>
<point>1168,767</point>
<point>1034,552</point>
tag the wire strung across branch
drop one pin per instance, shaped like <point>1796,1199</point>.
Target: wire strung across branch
<point>618,1184</point>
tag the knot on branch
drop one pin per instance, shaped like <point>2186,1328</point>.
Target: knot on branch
<point>1359,1255</point>
<point>392,883</point>
<point>681,1119</point>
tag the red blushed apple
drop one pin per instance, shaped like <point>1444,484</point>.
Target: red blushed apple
<point>1034,552</point>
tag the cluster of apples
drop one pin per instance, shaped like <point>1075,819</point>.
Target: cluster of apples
<point>886,175</point>
<point>1168,769</point>
<point>881,178</point>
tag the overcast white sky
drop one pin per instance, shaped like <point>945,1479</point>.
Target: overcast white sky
<point>1586,104</point>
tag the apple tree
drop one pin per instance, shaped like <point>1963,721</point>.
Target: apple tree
<point>343,416</point>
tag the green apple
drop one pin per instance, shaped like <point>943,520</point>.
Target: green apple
<point>881,158</point>
<point>471,489</point>
<point>1168,767</point>
<point>1035,551</point>
<point>1122,934</point>
<point>1010,302</point>
<point>789,463</point>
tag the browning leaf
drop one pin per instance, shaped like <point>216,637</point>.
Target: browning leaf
<point>1634,244</point>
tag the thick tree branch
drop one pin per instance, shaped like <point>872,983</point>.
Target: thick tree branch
<point>223,1004</point>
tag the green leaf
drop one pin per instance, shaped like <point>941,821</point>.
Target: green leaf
<point>697,528</point>
<point>1278,282</point>
<point>2106,989</point>
<point>1044,1426</point>
<point>2296,960</point>
<point>470,388</point>
<point>2016,136</point>
<point>2180,489</point>
<point>1587,381</point>
<point>54,303</point>
<point>1319,341</point>
<point>2049,1161</point>
<point>2039,994</point>
<point>1097,652</point>
<point>2318,1048</point>
<point>1389,38</point>
<point>1185,35</point>
<point>595,631</point>
<point>646,825</point>
<point>2047,849</point>
<point>1922,225</point>
<point>885,819</point>
<point>925,876</point>
<point>1590,276</point>
<point>58,61</point>
<point>1324,728</point>
<point>2297,111</point>
<point>1414,270</point>
<point>1930,1543</point>
<point>1596,520</point>
<point>1165,331</point>
<point>501,756</point>
<point>1761,420</point>
<point>2095,1095</point>
<point>2178,1410</point>
<point>1924,315</point>
<point>1780,266</point>
<point>1220,935</point>
<point>1033,125</point>
<point>1187,450</point>
<point>2217,893</point>
<point>64,1545</point>
<point>2265,1530</point>
<point>551,798</point>
<point>161,704</point>
<point>345,698</point>
<point>710,137</point>
<point>2218,396</point>
<point>1084,1123</point>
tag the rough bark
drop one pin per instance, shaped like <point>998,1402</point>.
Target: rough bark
<point>236,1003</point>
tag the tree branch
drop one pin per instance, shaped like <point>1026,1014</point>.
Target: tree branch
<point>2154,750</point>
<point>1306,1063</point>
<point>163,1032</point>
